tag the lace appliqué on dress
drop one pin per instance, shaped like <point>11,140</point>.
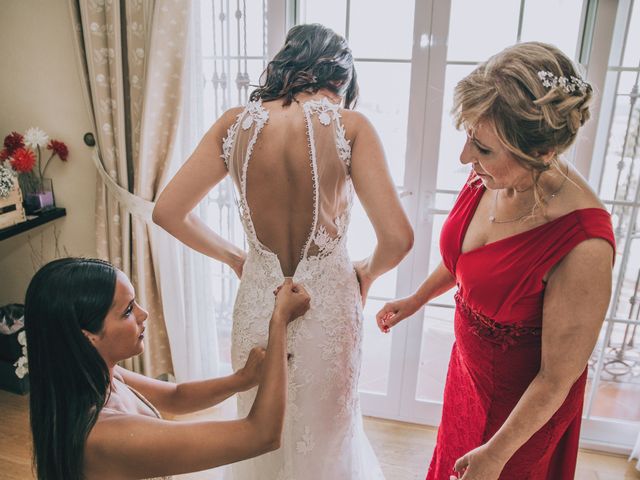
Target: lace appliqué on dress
<point>505,335</point>
<point>327,243</point>
<point>227,142</point>
<point>326,112</point>
<point>305,445</point>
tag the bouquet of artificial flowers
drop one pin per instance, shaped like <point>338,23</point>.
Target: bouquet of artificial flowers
<point>24,155</point>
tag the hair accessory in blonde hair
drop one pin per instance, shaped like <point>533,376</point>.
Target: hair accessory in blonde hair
<point>568,85</point>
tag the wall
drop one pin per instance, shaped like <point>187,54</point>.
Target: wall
<point>40,86</point>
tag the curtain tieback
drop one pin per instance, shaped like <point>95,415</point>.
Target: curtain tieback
<point>135,205</point>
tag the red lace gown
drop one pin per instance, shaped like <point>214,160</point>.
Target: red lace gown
<point>496,354</point>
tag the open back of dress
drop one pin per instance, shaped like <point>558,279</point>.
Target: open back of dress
<point>291,169</point>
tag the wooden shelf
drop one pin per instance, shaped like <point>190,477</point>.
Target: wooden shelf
<point>41,219</point>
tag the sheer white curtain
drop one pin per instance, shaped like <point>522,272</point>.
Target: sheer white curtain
<point>225,55</point>
<point>186,282</point>
<point>197,292</point>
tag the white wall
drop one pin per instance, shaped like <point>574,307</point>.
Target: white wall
<point>40,86</point>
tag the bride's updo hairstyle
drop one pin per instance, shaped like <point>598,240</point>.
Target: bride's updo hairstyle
<point>313,57</point>
<point>534,97</point>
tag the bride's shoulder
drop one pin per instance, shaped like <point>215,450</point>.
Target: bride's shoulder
<point>355,122</point>
<point>221,126</point>
<point>230,116</point>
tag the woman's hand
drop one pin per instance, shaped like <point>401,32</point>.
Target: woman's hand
<point>479,464</point>
<point>292,300</point>
<point>365,279</point>
<point>396,311</point>
<point>251,373</point>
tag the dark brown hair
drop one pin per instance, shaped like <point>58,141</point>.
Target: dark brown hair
<point>313,57</point>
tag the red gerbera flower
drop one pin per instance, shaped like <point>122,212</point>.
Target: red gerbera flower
<point>59,148</point>
<point>13,141</point>
<point>23,160</point>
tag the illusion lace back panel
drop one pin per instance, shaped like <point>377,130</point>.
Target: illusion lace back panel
<point>291,170</point>
<point>497,348</point>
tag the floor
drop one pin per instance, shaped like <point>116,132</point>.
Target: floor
<point>403,449</point>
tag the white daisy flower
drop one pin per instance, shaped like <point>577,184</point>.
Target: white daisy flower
<point>36,137</point>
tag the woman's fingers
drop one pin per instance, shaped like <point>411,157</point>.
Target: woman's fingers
<point>385,311</point>
<point>461,464</point>
<point>299,288</point>
<point>382,325</point>
<point>385,316</point>
<point>395,318</point>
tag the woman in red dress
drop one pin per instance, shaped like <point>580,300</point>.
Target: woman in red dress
<point>529,247</point>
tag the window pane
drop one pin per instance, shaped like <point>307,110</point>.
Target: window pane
<point>612,167</point>
<point>376,352</point>
<point>478,30</point>
<point>218,99</point>
<point>451,173</point>
<point>437,339</point>
<point>384,99</point>
<point>330,13</point>
<point>214,33</point>
<point>256,30</point>
<point>632,47</point>
<point>381,29</point>
<point>619,387</point>
<point>553,21</point>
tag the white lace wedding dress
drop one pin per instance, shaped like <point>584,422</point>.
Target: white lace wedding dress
<point>323,436</point>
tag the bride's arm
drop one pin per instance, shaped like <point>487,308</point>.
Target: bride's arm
<point>377,193</point>
<point>202,171</point>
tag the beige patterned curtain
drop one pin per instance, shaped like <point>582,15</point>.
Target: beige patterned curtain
<point>132,58</point>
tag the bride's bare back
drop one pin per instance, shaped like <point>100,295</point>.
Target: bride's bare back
<point>280,186</point>
<point>291,167</point>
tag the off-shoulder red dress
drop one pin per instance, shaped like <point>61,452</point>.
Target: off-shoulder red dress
<point>498,325</point>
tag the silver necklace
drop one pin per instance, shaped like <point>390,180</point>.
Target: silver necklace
<point>492,216</point>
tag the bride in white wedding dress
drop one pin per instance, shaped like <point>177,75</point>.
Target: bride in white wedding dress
<point>296,157</point>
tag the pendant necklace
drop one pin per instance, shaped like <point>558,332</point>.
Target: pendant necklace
<point>492,216</point>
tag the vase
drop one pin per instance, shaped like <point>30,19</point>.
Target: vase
<point>38,195</point>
